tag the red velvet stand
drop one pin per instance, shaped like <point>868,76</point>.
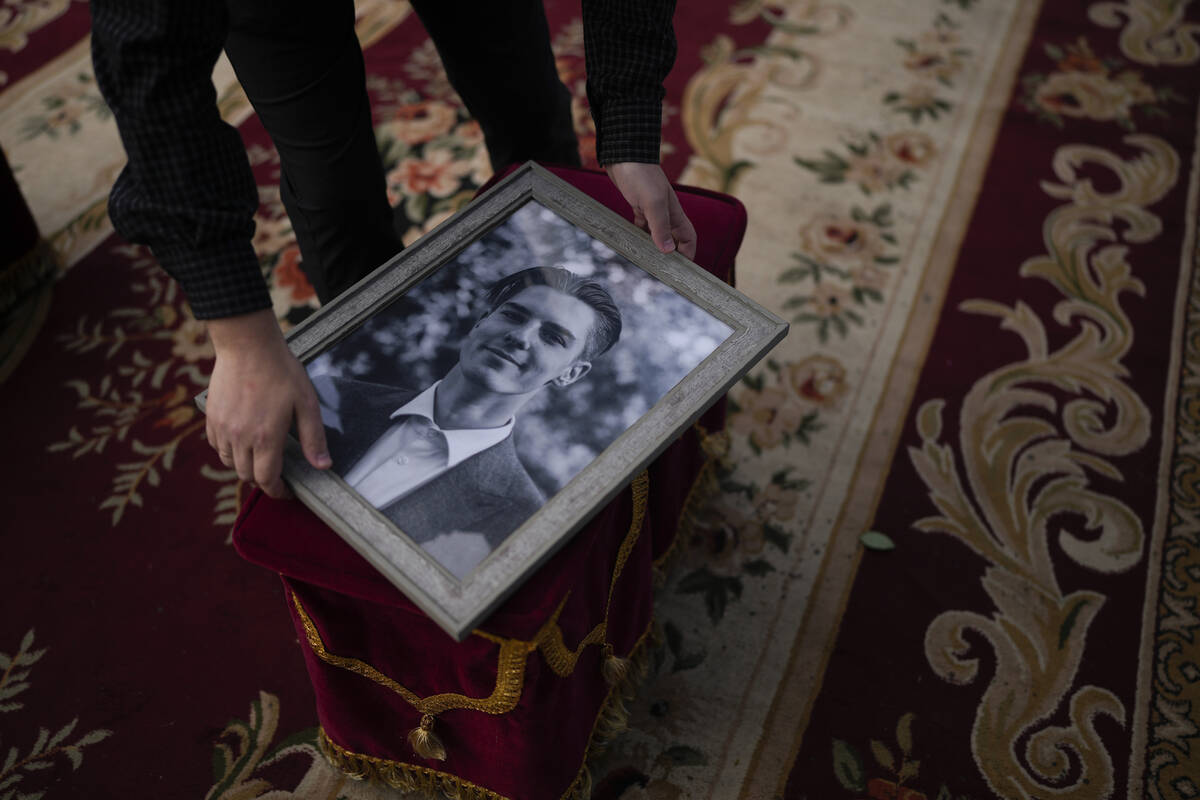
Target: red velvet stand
<point>516,705</point>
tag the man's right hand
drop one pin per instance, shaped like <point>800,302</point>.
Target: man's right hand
<point>257,388</point>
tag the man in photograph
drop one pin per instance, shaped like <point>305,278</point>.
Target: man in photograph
<point>440,463</point>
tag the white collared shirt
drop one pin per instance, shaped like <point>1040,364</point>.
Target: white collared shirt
<point>415,450</point>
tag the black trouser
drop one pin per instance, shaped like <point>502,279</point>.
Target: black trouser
<point>302,68</point>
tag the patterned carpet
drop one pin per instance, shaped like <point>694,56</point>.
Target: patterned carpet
<point>980,218</point>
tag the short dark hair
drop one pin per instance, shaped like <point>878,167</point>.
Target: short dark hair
<point>607,328</point>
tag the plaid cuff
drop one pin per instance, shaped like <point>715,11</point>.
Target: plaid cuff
<point>220,280</point>
<point>629,131</point>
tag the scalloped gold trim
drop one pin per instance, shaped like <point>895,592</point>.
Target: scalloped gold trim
<point>558,656</point>
<point>510,674</point>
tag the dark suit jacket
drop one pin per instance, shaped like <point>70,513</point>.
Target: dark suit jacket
<point>489,493</point>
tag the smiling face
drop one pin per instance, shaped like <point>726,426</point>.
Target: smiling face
<point>535,337</point>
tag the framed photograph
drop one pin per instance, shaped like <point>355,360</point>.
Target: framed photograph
<point>500,380</point>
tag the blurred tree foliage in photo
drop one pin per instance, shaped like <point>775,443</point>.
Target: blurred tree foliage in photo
<point>414,341</point>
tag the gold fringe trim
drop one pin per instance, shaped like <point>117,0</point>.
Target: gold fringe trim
<point>611,720</point>
<point>398,775</point>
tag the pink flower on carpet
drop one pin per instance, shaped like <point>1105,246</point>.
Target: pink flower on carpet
<point>469,134</point>
<point>191,342</point>
<point>943,64</point>
<point>911,147</point>
<point>766,416</point>
<point>438,174</point>
<point>417,123</point>
<point>288,275</point>
<point>873,171</point>
<point>936,54</point>
<point>841,240</point>
<point>65,117</point>
<point>817,379</point>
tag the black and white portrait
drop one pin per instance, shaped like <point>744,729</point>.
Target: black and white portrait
<point>464,405</point>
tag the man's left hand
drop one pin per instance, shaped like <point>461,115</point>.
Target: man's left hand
<point>655,207</point>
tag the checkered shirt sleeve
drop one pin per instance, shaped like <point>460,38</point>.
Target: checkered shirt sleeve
<point>629,47</point>
<point>187,190</point>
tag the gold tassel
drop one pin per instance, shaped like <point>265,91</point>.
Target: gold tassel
<point>425,743</point>
<point>614,667</point>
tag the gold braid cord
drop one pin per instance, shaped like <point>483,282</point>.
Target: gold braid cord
<point>510,674</point>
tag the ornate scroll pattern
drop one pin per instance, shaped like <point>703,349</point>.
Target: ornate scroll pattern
<point>19,18</point>
<point>247,757</point>
<point>1154,32</point>
<point>722,101</point>
<point>1031,435</point>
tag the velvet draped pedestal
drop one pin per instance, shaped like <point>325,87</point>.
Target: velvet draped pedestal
<point>517,705</point>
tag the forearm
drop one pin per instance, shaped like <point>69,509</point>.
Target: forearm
<point>187,190</point>
<point>630,48</point>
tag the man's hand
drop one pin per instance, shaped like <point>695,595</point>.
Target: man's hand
<point>257,388</point>
<point>655,207</point>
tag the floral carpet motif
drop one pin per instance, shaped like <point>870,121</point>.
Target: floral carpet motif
<point>979,218</point>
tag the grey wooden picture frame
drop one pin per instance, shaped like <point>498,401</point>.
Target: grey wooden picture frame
<point>459,606</point>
